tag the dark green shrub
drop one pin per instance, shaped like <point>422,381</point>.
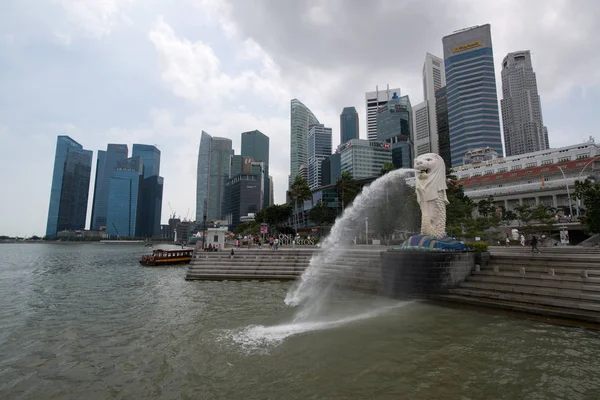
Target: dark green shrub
<point>479,247</point>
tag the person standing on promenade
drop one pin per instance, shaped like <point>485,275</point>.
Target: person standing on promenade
<point>522,240</point>
<point>534,243</point>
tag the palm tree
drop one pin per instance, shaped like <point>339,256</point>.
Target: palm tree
<point>299,191</point>
<point>347,188</point>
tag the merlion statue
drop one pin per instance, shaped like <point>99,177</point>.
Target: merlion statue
<point>431,188</point>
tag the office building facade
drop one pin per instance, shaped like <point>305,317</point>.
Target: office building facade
<point>151,190</point>
<point>524,130</point>
<point>394,127</point>
<point>421,127</point>
<point>255,145</point>
<point>319,148</point>
<point>373,101</point>
<point>202,175</point>
<point>473,117</point>
<point>434,77</point>
<point>150,156</point>
<point>114,154</point>
<point>124,199</point>
<point>243,197</point>
<point>349,124</point>
<point>364,158</point>
<point>443,131</point>
<point>301,117</point>
<point>218,174</point>
<point>70,187</point>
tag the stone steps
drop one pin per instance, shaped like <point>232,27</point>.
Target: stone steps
<point>525,308</point>
<point>558,285</point>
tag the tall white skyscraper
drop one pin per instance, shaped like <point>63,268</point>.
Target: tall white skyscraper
<point>434,78</point>
<point>319,148</point>
<point>373,101</point>
<point>421,129</point>
<point>300,119</point>
<point>524,130</point>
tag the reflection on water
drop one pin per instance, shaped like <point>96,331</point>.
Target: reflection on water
<point>86,321</point>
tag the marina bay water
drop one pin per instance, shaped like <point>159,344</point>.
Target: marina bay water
<point>87,322</point>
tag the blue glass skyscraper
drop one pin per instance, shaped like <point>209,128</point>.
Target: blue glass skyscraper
<point>151,191</point>
<point>394,126</point>
<point>202,176</point>
<point>255,145</point>
<point>111,157</point>
<point>70,187</point>
<point>150,158</point>
<point>348,124</point>
<point>473,118</point>
<point>122,217</point>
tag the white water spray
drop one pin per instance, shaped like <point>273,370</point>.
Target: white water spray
<point>315,283</point>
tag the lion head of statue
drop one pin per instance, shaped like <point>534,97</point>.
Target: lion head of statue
<point>431,177</point>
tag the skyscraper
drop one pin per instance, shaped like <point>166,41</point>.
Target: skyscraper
<point>123,217</point>
<point>150,156</point>
<point>151,191</point>
<point>394,126</point>
<point>434,78</point>
<point>255,145</point>
<point>113,155</point>
<point>441,118</point>
<point>524,130</point>
<point>348,124</point>
<point>202,176</point>
<point>300,119</point>
<point>271,191</point>
<point>422,132</point>
<point>473,118</point>
<point>70,187</point>
<point>218,174</point>
<point>373,101</point>
<point>319,148</point>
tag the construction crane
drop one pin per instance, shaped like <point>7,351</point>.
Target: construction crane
<point>187,214</point>
<point>172,212</point>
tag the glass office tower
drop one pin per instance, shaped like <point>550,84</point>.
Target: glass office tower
<point>70,187</point>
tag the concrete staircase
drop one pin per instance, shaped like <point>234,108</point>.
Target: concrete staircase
<point>559,282</point>
<point>358,268</point>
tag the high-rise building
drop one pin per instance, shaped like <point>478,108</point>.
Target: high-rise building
<point>473,118</point>
<point>364,158</point>
<point>114,154</point>
<point>349,124</point>
<point>123,216</point>
<point>150,156</point>
<point>319,148</point>
<point>218,174</point>
<point>421,127</point>
<point>301,119</point>
<point>70,187</point>
<point>150,206</point>
<point>524,130</point>
<point>394,126</point>
<point>303,172</point>
<point>331,169</point>
<point>202,176</point>
<point>373,101</point>
<point>271,191</point>
<point>441,118</point>
<point>434,78</point>
<point>255,145</point>
<point>243,196</point>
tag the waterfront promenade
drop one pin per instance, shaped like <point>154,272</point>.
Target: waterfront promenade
<point>559,282</point>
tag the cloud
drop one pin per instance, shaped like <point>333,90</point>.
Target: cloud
<point>96,18</point>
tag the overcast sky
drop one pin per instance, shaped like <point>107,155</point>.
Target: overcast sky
<point>159,72</point>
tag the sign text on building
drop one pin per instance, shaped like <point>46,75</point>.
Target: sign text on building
<point>467,46</point>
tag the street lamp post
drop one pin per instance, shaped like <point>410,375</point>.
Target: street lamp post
<point>366,230</point>
<point>568,192</point>
<point>204,232</point>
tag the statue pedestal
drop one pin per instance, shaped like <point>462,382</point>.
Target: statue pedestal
<point>417,274</point>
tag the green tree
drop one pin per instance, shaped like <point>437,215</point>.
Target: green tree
<point>320,214</point>
<point>589,192</point>
<point>347,189</point>
<point>486,208</point>
<point>299,192</point>
<point>277,214</point>
<point>524,216</point>
<point>459,210</point>
<point>507,216</point>
<point>543,215</point>
<point>247,228</point>
<point>387,167</point>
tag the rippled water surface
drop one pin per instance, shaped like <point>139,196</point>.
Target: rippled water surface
<point>87,322</point>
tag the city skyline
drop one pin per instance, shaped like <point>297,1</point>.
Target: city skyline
<point>238,77</point>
